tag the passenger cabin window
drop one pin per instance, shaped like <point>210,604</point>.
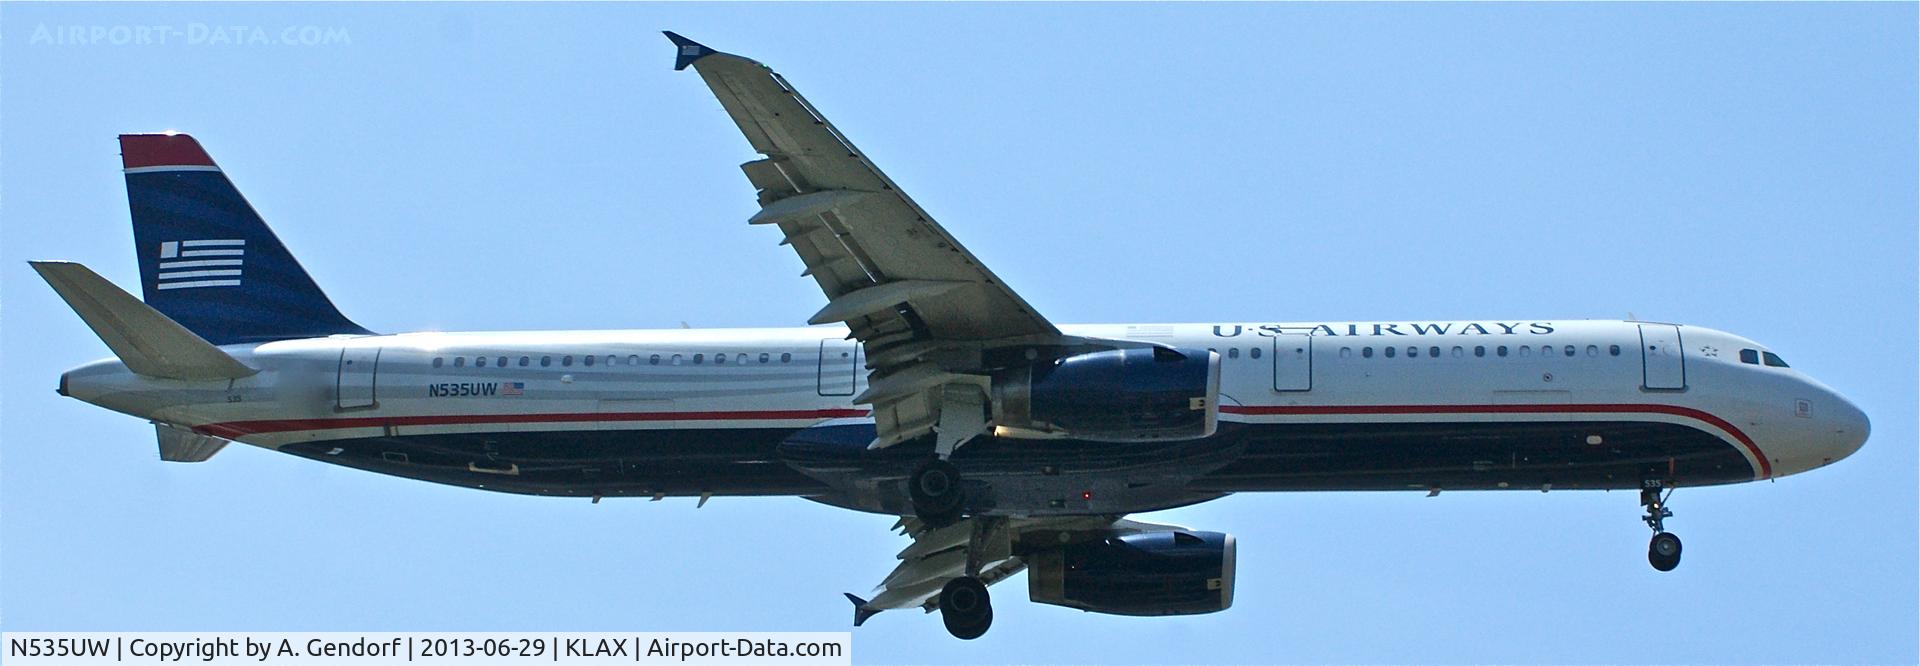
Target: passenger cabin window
<point>676,359</point>
<point>1413,352</point>
<point>524,361</point>
<point>784,357</point>
<point>1613,350</point>
<point>1479,351</point>
<point>1593,350</point>
<point>1750,356</point>
<point>1500,351</point>
<point>438,360</point>
<point>502,362</point>
<point>459,361</point>
<point>1233,353</point>
<point>699,358</point>
<point>566,361</point>
<point>546,361</point>
<point>634,359</point>
<point>1366,352</point>
<point>480,362</point>
<point>587,361</point>
<point>1345,352</point>
<point>1433,352</point>
<point>764,357</point>
<point>1254,352</point>
<point>653,360</point>
<point>719,358</point>
<point>1525,350</point>
<point>1389,352</point>
<point>1569,350</point>
<point>1773,360</point>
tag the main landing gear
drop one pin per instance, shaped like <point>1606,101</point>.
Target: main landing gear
<point>937,496</point>
<point>1663,552</point>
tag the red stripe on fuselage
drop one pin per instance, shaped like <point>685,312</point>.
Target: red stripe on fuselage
<point>1766,468</point>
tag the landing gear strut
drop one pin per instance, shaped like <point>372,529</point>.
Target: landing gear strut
<point>965,608</point>
<point>937,494</point>
<point>1663,552</point>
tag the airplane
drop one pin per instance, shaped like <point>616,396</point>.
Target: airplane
<point>925,388</point>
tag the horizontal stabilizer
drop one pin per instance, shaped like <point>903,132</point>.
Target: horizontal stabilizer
<point>147,341</point>
<point>183,445</point>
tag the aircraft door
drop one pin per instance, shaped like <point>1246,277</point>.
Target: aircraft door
<point>1664,361</point>
<point>839,366</point>
<point>356,378</point>
<point>1292,362</point>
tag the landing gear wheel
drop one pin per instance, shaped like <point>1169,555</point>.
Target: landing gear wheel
<point>936,493</point>
<point>965,608</point>
<point>1664,551</point>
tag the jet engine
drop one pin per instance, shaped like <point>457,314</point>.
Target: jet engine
<point>1154,573</point>
<point>1120,395</point>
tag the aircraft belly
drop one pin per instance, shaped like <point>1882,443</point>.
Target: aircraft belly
<point>1054,477</point>
<point>1480,455</point>
<point>581,463</point>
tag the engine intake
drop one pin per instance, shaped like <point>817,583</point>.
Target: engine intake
<point>1121,395</point>
<point>1157,573</point>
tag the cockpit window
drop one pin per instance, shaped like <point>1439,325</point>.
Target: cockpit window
<point>1750,356</point>
<point>1773,360</point>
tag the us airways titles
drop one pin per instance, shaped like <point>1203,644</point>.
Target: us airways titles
<point>1384,329</point>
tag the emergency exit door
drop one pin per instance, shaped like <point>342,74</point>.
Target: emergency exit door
<point>839,366</point>
<point>1664,360</point>
<point>1292,362</point>
<point>357,379</point>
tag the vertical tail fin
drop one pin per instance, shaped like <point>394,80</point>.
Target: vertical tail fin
<point>207,260</point>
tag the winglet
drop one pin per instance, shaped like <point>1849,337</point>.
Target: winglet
<point>860,610</point>
<point>689,50</point>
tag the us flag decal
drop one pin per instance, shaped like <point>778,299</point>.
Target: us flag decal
<point>201,263</point>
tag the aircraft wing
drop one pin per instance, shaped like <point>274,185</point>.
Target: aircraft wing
<point>984,544</point>
<point>904,286</point>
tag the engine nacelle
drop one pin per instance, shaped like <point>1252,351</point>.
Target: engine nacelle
<point>1157,573</point>
<point>1121,395</point>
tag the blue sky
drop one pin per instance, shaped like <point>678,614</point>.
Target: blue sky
<point>1747,167</point>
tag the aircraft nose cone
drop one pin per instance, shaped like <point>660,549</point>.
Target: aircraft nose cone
<point>1849,426</point>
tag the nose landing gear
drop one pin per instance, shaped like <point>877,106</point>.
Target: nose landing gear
<point>1663,552</point>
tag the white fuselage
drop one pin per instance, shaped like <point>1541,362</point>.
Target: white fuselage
<point>403,386</point>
